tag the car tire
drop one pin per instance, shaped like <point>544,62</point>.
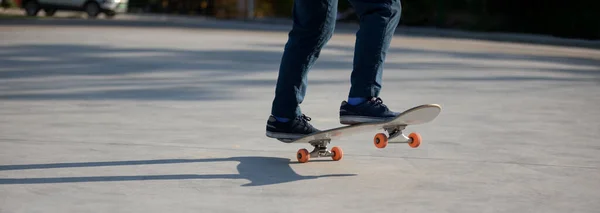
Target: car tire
<point>32,8</point>
<point>92,9</point>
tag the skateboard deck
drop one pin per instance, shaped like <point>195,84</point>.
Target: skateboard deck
<point>391,129</point>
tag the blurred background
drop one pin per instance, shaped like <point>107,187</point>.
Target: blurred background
<point>573,19</point>
<point>160,106</point>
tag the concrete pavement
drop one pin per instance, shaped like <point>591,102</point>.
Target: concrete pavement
<point>152,119</point>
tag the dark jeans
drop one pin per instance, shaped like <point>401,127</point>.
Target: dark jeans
<point>314,23</point>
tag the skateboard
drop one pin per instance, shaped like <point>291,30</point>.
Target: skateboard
<point>391,129</point>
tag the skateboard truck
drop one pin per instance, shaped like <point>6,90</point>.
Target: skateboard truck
<point>320,150</point>
<point>394,131</point>
<point>381,139</point>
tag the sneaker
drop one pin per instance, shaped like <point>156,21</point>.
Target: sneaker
<point>292,129</point>
<point>372,110</point>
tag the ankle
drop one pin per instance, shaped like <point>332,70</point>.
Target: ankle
<point>281,119</point>
<point>356,100</point>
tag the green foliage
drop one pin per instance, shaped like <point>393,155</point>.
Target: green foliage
<point>9,4</point>
<point>283,8</point>
<point>575,18</point>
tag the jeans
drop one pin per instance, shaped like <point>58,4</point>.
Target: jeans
<point>313,26</point>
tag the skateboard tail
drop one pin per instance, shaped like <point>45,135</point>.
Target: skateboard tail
<point>417,115</point>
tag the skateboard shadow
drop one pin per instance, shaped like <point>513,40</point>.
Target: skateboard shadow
<point>259,171</point>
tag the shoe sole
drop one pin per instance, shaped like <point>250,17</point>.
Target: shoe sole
<point>351,119</point>
<point>284,136</point>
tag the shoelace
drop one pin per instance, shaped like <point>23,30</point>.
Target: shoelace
<point>305,119</point>
<point>377,101</point>
<point>303,116</point>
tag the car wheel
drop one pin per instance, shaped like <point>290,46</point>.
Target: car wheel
<point>32,8</point>
<point>92,9</point>
<point>50,12</point>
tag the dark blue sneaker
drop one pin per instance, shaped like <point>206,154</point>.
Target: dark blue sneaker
<point>371,110</point>
<point>292,129</point>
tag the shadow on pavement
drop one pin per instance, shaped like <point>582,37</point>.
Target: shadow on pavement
<point>196,23</point>
<point>199,22</point>
<point>95,72</point>
<point>259,171</point>
<point>589,61</point>
<point>592,73</point>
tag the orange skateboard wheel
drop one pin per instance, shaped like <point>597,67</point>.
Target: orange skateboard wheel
<point>416,140</point>
<point>380,140</point>
<point>337,153</point>
<point>302,155</point>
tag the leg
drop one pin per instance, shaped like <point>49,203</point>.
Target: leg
<point>314,22</point>
<point>378,21</point>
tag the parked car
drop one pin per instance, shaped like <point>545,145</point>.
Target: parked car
<point>92,7</point>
